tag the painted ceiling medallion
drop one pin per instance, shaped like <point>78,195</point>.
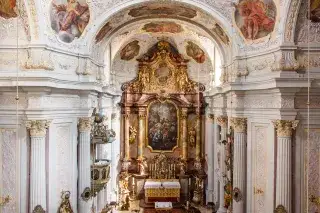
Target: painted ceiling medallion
<point>255,18</point>
<point>163,27</point>
<point>168,10</point>
<point>69,18</point>
<point>195,52</point>
<point>8,9</point>
<point>314,10</point>
<point>130,51</point>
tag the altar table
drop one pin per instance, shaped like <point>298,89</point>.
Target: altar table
<point>162,190</point>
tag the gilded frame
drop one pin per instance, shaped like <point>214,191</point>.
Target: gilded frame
<point>147,127</point>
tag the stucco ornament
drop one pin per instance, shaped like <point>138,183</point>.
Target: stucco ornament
<point>85,124</point>
<point>222,121</point>
<point>239,124</point>
<point>284,127</point>
<point>38,128</point>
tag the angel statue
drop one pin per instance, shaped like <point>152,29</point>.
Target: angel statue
<point>143,165</point>
<point>65,206</point>
<point>182,166</point>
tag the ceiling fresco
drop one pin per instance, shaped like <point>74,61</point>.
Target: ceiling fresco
<point>255,19</point>
<point>8,9</point>
<point>163,27</point>
<point>195,52</point>
<point>168,10</point>
<point>69,18</point>
<point>163,11</point>
<point>130,51</point>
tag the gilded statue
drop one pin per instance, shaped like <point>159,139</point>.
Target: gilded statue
<point>192,136</point>
<point>143,166</point>
<point>132,134</point>
<point>65,206</point>
<point>182,166</point>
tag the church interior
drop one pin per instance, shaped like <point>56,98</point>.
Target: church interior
<point>151,106</point>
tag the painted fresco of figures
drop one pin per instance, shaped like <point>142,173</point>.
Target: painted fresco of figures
<point>163,27</point>
<point>69,18</point>
<point>162,126</point>
<point>195,52</point>
<point>315,10</point>
<point>130,51</point>
<point>8,8</point>
<point>255,18</point>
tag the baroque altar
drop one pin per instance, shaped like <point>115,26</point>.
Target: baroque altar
<point>162,120</point>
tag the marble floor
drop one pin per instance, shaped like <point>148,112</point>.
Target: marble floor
<point>134,207</point>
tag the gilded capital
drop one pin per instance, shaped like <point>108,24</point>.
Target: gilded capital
<point>184,113</point>
<point>38,128</point>
<point>85,124</point>
<point>239,124</point>
<point>142,114</point>
<point>222,121</point>
<point>284,127</point>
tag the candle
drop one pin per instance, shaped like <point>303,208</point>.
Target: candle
<point>189,181</point>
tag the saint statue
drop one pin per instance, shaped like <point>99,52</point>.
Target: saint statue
<point>65,206</point>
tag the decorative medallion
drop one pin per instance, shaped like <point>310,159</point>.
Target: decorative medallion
<point>195,52</point>
<point>237,195</point>
<point>130,51</point>
<point>38,209</point>
<point>86,194</point>
<point>69,18</point>
<point>255,19</point>
<point>280,209</point>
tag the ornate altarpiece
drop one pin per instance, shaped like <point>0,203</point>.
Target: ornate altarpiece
<point>155,108</point>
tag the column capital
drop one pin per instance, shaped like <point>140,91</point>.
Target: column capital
<point>85,124</point>
<point>222,121</point>
<point>239,124</point>
<point>142,113</point>
<point>184,113</point>
<point>38,127</point>
<point>284,127</point>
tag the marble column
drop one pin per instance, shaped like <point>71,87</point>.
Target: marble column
<point>198,137</point>
<point>184,116</point>
<point>210,157</point>
<point>223,122</point>
<point>239,164</point>
<point>126,135</point>
<point>84,163</point>
<point>142,133</point>
<point>115,155</point>
<point>38,192</point>
<point>284,171</point>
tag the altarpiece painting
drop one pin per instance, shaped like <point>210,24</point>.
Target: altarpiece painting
<point>162,126</point>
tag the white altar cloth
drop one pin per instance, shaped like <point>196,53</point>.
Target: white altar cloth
<point>152,184</point>
<point>163,205</point>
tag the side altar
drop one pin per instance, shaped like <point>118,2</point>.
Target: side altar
<point>162,129</point>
